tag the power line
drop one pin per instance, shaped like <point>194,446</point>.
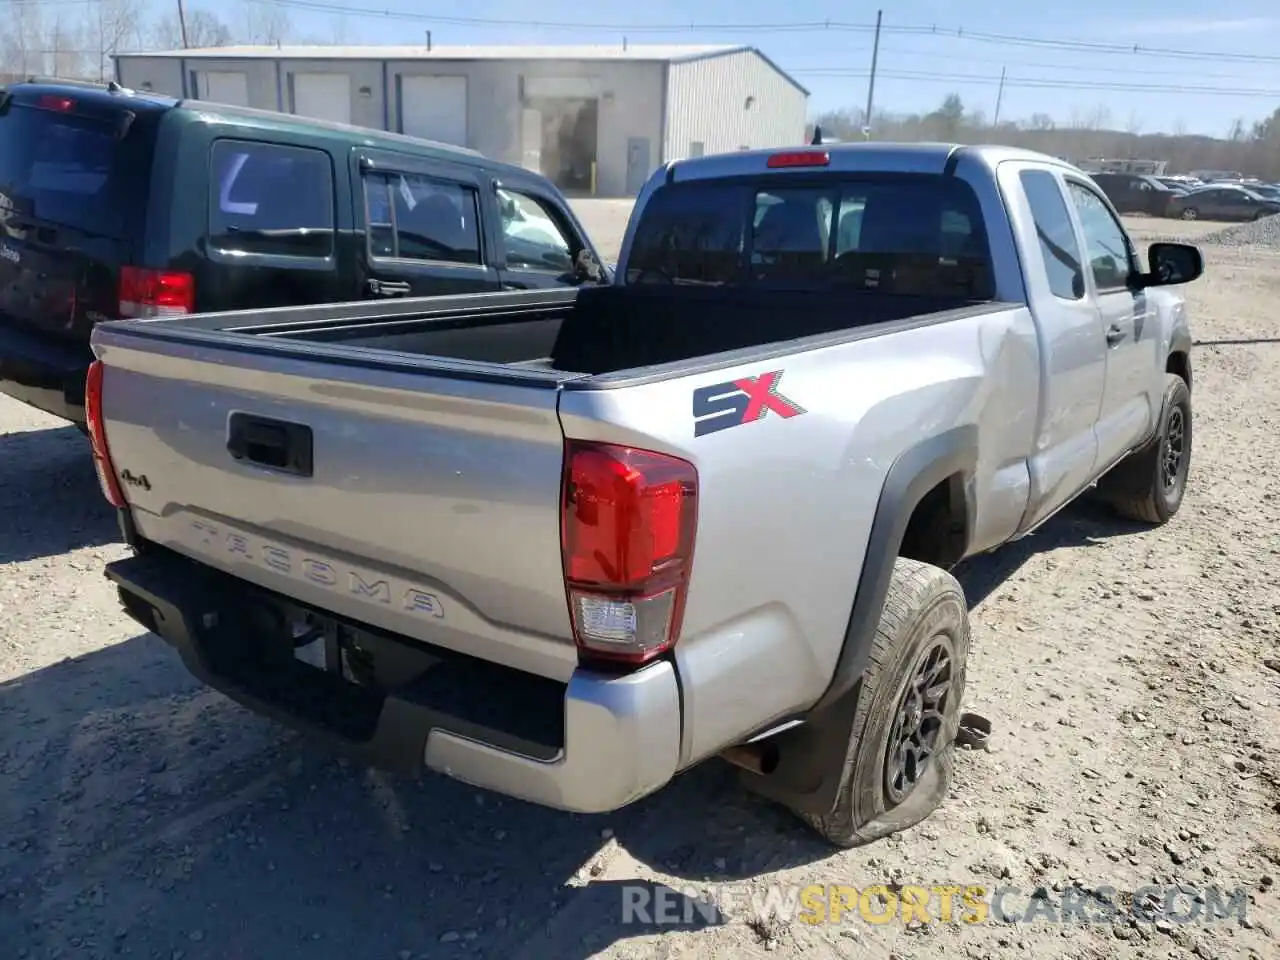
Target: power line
<point>804,26</point>
<point>1041,83</point>
<point>1040,65</point>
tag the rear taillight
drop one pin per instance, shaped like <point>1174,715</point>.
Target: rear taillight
<point>627,524</point>
<point>53,102</point>
<point>98,437</point>
<point>155,293</point>
<point>799,158</point>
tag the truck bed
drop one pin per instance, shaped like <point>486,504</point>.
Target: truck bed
<point>400,464</point>
<point>592,331</point>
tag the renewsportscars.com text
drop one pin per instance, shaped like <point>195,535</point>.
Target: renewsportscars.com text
<point>943,903</point>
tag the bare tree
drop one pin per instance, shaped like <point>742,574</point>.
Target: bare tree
<point>204,29</point>
<point>116,26</point>
<point>22,39</point>
<point>266,23</point>
<point>1099,117</point>
<point>341,30</point>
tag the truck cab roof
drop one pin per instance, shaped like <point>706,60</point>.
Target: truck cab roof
<point>852,157</point>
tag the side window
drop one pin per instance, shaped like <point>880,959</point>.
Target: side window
<point>531,234</point>
<point>1110,255</point>
<point>1057,236</point>
<point>268,198</point>
<point>412,217</point>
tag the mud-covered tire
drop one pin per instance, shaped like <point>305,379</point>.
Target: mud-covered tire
<point>1138,487</point>
<point>924,611</point>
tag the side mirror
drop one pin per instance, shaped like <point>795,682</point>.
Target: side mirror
<point>587,267</point>
<point>1172,264</point>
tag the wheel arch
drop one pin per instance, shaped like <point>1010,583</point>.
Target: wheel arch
<point>1179,359</point>
<point>914,487</point>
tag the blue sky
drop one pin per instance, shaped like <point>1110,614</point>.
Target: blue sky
<point>917,70</point>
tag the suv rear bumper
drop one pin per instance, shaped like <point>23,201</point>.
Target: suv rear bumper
<point>620,738</point>
<point>43,373</point>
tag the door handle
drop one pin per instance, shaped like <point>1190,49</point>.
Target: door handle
<point>388,288</point>
<point>514,285</point>
<point>1114,335</point>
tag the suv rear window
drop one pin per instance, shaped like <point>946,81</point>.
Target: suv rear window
<point>917,236</point>
<point>75,170</point>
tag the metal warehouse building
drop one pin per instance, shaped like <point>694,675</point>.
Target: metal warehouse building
<point>594,119</point>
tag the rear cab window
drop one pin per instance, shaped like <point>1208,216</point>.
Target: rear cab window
<point>908,235</point>
<point>270,199</point>
<point>77,163</point>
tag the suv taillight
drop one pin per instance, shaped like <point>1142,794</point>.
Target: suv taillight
<point>155,293</point>
<point>627,526</point>
<point>98,436</point>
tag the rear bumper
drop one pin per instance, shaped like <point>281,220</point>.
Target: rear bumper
<point>44,373</point>
<point>619,740</point>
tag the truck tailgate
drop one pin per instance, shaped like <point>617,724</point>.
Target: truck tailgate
<point>411,494</point>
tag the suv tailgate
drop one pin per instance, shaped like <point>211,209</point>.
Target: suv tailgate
<point>74,178</point>
<point>430,507</point>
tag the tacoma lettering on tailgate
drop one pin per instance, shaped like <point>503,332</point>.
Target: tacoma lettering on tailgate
<point>735,402</point>
<point>233,545</point>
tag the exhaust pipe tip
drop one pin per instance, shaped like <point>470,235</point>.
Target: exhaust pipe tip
<point>759,758</point>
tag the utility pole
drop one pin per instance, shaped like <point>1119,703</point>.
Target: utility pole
<point>871,84</point>
<point>999,97</point>
<point>182,25</point>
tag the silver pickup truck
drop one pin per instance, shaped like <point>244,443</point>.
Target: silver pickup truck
<point>565,545</point>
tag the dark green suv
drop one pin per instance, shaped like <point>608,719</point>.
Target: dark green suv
<point>120,204</point>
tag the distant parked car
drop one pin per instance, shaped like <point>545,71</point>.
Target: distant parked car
<point>1222,203</point>
<point>1135,193</point>
<point>1180,183</point>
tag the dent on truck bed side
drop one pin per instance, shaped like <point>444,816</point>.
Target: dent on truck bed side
<point>913,474</point>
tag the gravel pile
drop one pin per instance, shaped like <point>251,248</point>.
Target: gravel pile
<point>1265,232</point>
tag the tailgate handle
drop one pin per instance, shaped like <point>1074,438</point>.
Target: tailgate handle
<point>277,444</point>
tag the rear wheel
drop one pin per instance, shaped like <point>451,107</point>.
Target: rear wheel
<point>1149,484</point>
<point>898,763</point>
<point>1190,213</point>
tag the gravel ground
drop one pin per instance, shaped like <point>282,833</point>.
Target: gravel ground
<point>1264,232</point>
<point>1131,677</point>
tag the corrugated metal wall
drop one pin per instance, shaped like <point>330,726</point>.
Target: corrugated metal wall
<point>629,94</point>
<point>708,105</point>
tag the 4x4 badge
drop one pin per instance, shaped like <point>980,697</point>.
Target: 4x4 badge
<point>136,480</point>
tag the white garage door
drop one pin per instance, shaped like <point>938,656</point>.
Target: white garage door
<point>434,108</point>
<point>219,87</point>
<point>322,96</point>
